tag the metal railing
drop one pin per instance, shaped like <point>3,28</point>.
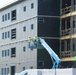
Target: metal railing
<point>66,10</point>
<point>66,54</point>
<point>66,32</point>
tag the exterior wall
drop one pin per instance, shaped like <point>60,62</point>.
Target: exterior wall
<point>23,59</point>
<point>49,27</point>
<point>27,59</point>
<point>21,15</point>
<point>49,7</point>
<point>20,34</point>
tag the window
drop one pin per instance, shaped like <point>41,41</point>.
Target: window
<point>41,63</point>
<point>7,70</point>
<point>12,70</point>
<point>74,24</point>
<point>41,20</point>
<point>8,34</point>
<point>8,16</point>
<point>62,45</point>
<point>13,15</point>
<point>2,53</point>
<point>24,49</point>
<point>32,5</point>
<point>23,68</point>
<point>74,2</point>
<point>73,46</point>
<point>3,18</point>
<point>13,52</point>
<point>5,34</point>
<point>24,28</point>
<point>63,24</point>
<point>68,44</point>
<point>2,71</point>
<point>5,52</point>
<point>8,52</point>
<point>31,67</point>
<point>68,23</point>
<point>13,33</point>
<point>24,8</point>
<point>2,35</point>
<point>32,26</point>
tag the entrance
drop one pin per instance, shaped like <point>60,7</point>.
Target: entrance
<point>12,70</point>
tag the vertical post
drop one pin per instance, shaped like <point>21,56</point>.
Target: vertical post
<point>60,23</point>
<point>60,16</point>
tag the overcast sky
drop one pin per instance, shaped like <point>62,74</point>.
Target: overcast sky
<point>5,2</point>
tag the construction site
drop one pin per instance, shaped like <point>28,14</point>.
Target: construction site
<point>38,37</point>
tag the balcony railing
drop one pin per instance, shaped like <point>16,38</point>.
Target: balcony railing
<point>66,32</point>
<point>66,54</point>
<point>66,10</point>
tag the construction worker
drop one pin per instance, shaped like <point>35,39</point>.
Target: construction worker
<point>36,39</point>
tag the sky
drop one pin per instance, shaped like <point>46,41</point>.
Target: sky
<point>5,2</point>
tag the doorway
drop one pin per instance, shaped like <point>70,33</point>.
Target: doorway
<point>13,70</point>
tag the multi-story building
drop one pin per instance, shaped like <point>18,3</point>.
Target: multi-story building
<point>68,33</point>
<point>23,19</point>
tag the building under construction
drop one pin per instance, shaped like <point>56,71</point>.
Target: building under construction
<point>68,33</point>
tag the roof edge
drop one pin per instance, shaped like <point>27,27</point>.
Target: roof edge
<point>9,5</point>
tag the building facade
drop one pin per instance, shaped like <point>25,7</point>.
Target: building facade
<point>68,33</point>
<point>23,19</point>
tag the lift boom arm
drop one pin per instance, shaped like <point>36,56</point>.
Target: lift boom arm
<point>51,52</point>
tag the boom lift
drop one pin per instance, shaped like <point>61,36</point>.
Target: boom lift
<point>38,43</point>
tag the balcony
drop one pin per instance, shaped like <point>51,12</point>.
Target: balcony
<point>66,10</point>
<point>66,32</point>
<point>66,54</point>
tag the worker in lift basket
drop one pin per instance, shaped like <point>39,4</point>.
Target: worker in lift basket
<point>35,40</point>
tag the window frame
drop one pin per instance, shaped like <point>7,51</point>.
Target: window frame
<point>3,18</point>
<point>13,16</point>
<point>3,35</point>
<point>24,49</point>
<point>24,8</point>
<point>8,34</point>
<point>24,28</point>
<point>23,68</point>
<point>13,33</point>
<point>13,52</point>
<point>41,20</point>
<point>32,5</point>
<point>40,64</point>
<point>8,16</point>
<point>32,26</point>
